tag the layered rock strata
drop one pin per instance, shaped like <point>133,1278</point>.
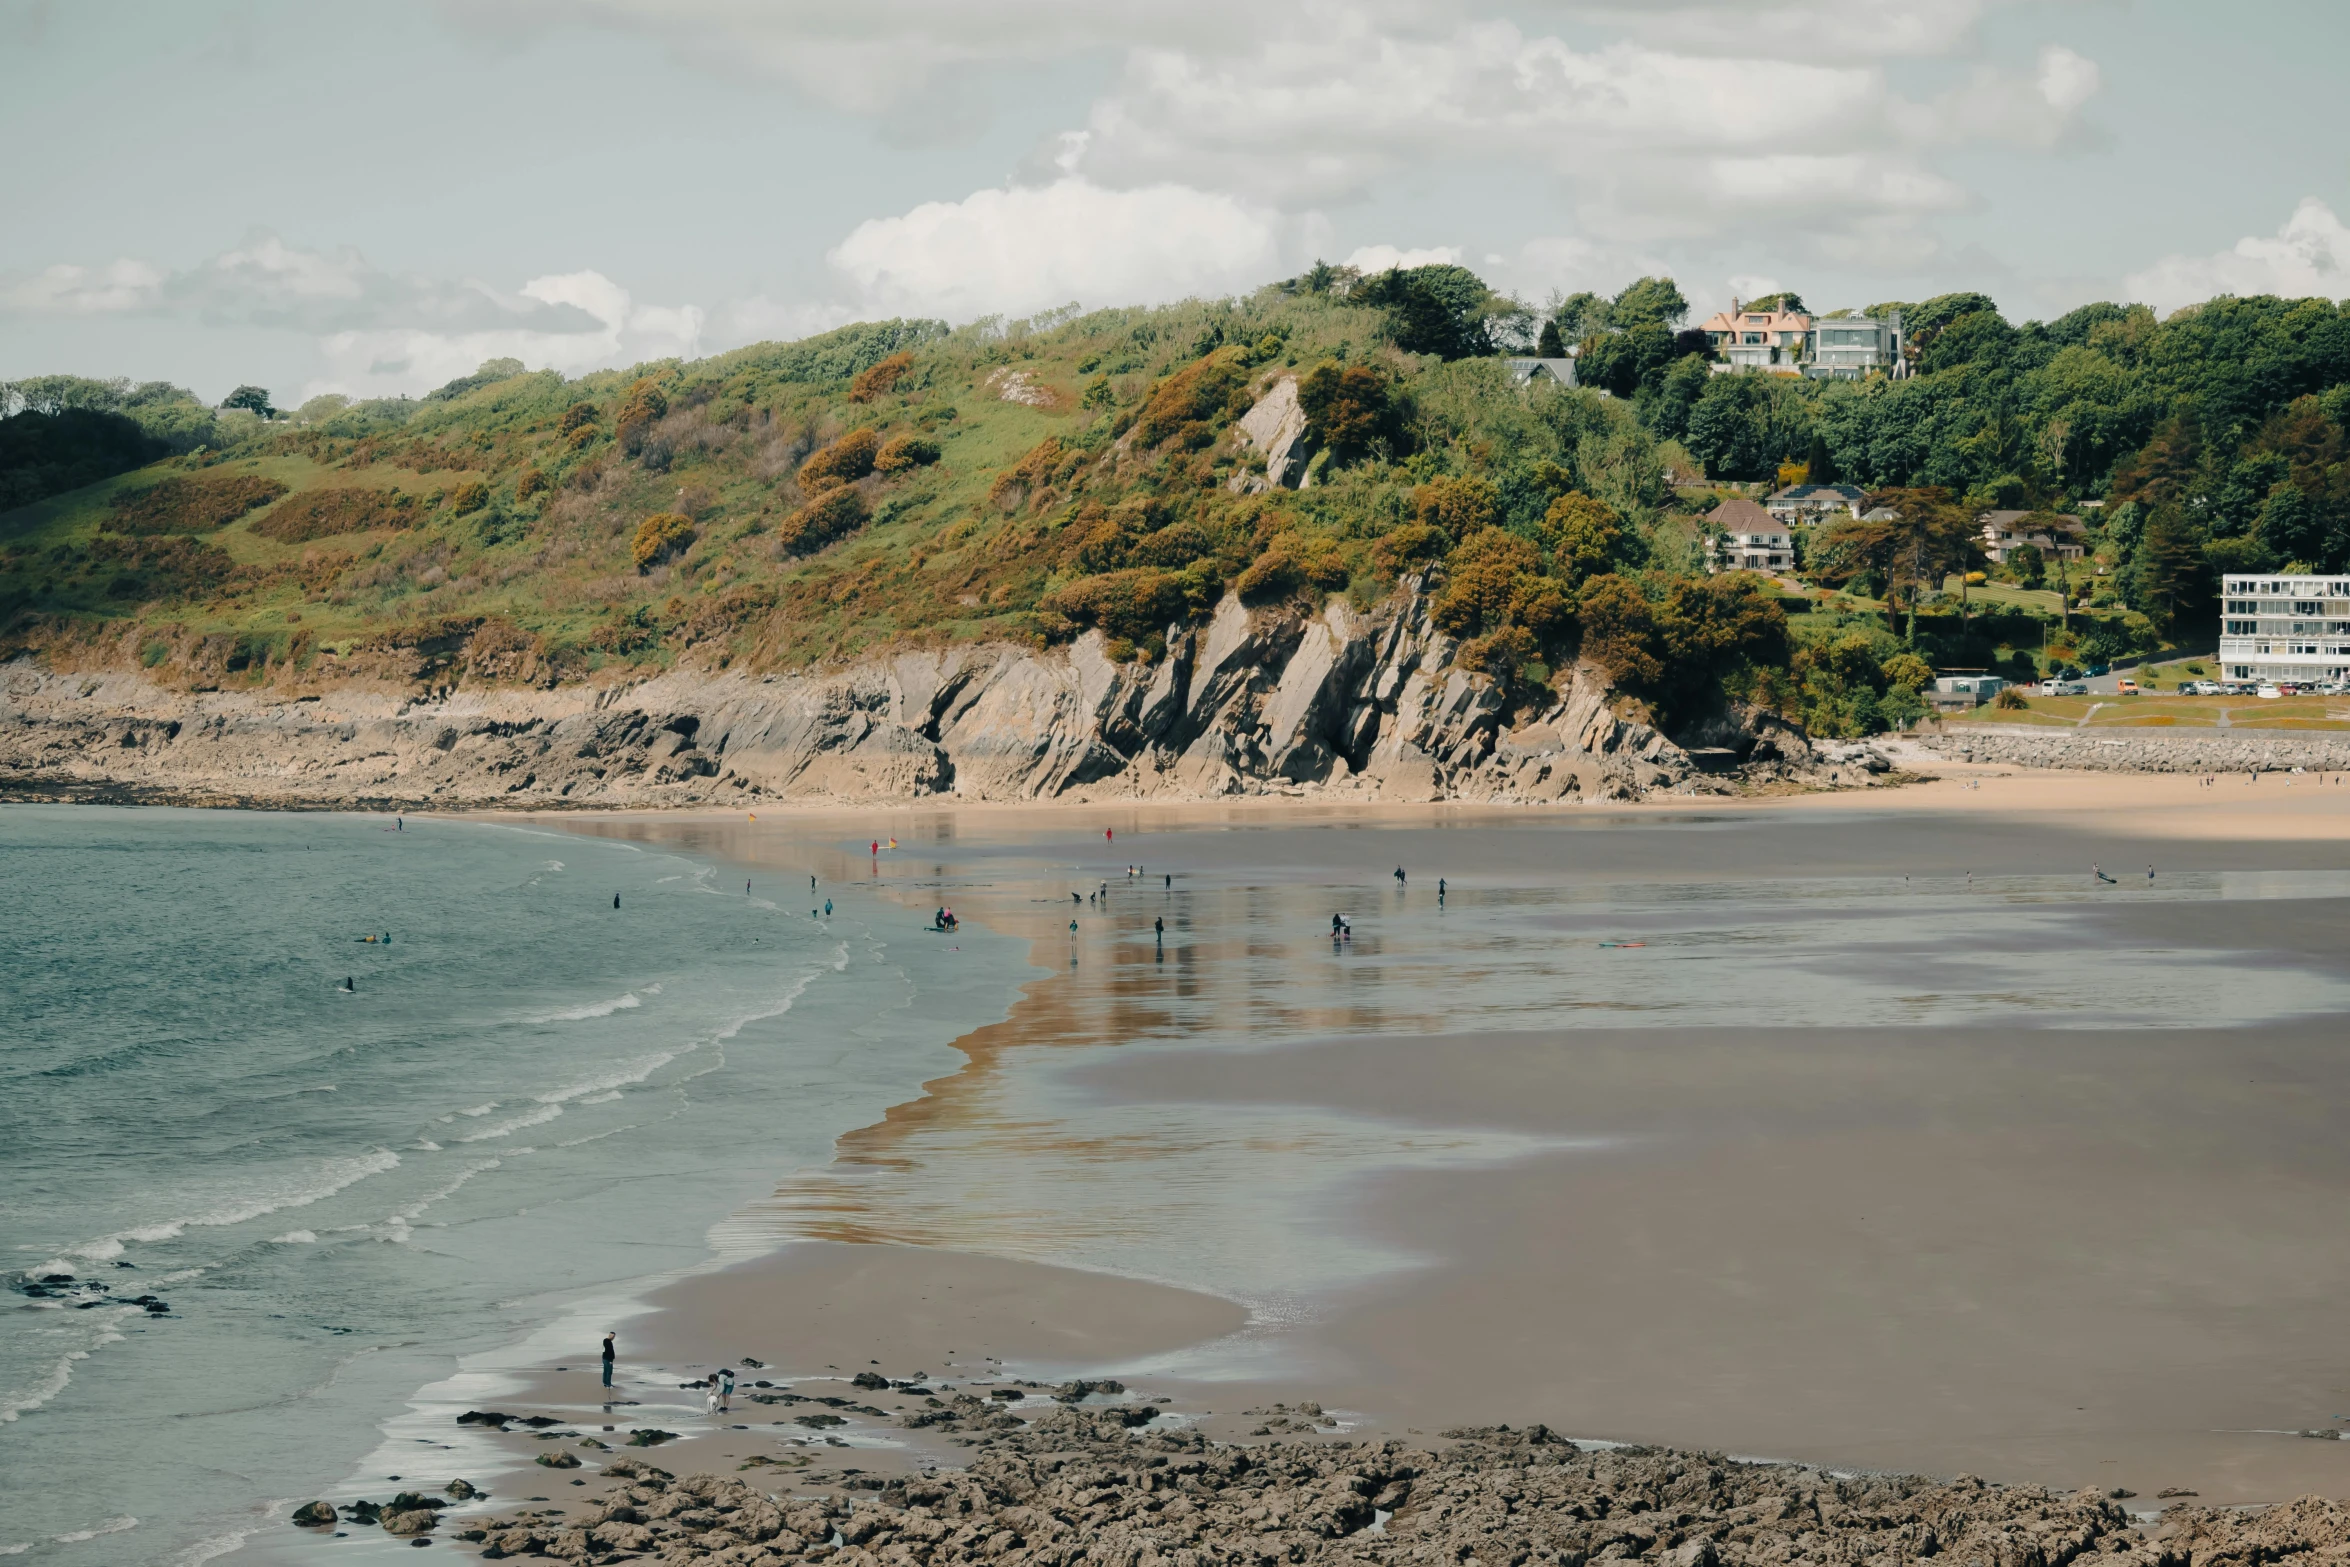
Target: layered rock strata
<point>1252,702</point>
<point>1080,1486</point>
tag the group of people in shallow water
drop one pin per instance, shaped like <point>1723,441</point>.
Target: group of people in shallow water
<point>945,919</point>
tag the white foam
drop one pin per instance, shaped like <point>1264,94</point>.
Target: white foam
<point>110,1526</point>
<point>296,1238</point>
<point>616,1077</point>
<point>296,1190</point>
<point>592,1009</point>
<point>18,1400</point>
<point>545,1112</point>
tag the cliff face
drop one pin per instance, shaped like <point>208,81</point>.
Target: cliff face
<point>1254,702</point>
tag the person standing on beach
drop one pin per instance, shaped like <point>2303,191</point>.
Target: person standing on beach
<point>608,1357</point>
<point>1399,876</point>
<point>725,1388</point>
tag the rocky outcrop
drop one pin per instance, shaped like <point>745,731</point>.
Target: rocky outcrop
<point>1275,426</point>
<point>1079,1486</point>
<point>2145,750</point>
<point>1252,702</point>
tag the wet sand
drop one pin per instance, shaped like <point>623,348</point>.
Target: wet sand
<point>1992,1169</point>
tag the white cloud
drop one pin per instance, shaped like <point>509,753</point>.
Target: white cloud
<point>266,282</point>
<point>1651,112</point>
<point>1380,258</point>
<point>1025,248</point>
<point>379,362</point>
<point>2308,256</point>
<point>68,290</point>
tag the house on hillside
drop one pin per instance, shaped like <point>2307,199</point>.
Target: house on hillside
<point>1524,371</point>
<point>1847,348</point>
<point>1811,502</point>
<point>2005,532</point>
<point>1759,339</point>
<point>1750,539</point>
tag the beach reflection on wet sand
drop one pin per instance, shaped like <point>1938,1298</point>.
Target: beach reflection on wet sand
<point>1592,1140</point>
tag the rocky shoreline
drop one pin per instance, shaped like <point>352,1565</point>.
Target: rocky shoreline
<point>2144,750</point>
<point>1255,702</point>
<point>1113,1486</point>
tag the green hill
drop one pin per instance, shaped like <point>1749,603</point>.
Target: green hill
<point>894,482</point>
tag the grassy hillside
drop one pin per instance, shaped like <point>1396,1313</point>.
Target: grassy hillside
<point>895,482</point>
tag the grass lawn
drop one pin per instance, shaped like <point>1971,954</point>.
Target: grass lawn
<point>2165,712</point>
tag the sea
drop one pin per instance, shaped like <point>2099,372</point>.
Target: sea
<point>302,1113</point>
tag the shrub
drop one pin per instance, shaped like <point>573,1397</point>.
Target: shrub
<point>318,514</point>
<point>192,505</point>
<point>659,537</point>
<point>904,453</point>
<point>843,462</point>
<point>2010,699</point>
<point>1586,537</point>
<point>576,418</point>
<point>1907,670</point>
<point>879,379</point>
<point>1130,604</point>
<point>1619,631</point>
<point>1413,547</point>
<point>582,437</point>
<point>529,483</point>
<point>643,404</point>
<point>1461,507</point>
<point>1173,547</point>
<point>834,514</point>
<point>1031,472</point>
<point>1482,580</point>
<point>1502,653</point>
<point>1348,410</point>
<point>1292,561</point>
<point>1213,389</point>
<point>471,496</point>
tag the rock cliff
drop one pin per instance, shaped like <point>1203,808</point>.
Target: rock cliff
<point>1252,702</point>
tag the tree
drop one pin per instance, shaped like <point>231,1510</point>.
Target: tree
<point>1586,537</point>
<point>1654,300</point>
<point>255,398</point>
<point>1438,309</point>
<point>2031,567</point>
<point>1549,345</point>
<point>2173,580</point>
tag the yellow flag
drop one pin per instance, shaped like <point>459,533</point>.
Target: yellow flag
<point>893,843</point>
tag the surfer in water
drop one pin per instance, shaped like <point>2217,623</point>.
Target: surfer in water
<point>616,900</point>
<point>349,986</point>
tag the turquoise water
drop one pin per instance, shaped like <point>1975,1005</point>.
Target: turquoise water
<point>331,1194</point>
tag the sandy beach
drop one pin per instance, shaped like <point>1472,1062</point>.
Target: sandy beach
<point>1867,1130</point>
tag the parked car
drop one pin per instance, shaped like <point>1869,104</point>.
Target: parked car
<point>2094,670</point>
<point>2063,688</point>
<point>2203,688</point>
<point>2127,687</point>
<point>2268,693</point>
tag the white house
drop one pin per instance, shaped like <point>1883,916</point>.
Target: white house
<point>1760,339</point>
<point>2285,628</point>
<point>1846,348</point>
<point>2005,532</point>
<point>1811,502</point>
<point>1751,539</point>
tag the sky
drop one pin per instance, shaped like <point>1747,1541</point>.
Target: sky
<point>374,196</point>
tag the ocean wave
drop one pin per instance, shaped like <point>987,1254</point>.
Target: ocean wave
<point>110,1526</point>
<point>618,1076</point>
<point>544,1112</point>
<point>295,1238</point>
<point>592,1009</point>
<point>296,1190</point>
<point>16,1401</point>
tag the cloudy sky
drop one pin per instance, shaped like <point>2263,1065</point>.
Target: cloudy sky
<point>374,197</point>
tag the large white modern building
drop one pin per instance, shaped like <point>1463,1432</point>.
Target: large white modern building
<point>2285,628</point>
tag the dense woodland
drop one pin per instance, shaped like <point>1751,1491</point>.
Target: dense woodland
<point>900,481</point>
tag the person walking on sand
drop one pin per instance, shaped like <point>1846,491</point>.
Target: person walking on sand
<point>608,1358</point>
<point>1399,876</point>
